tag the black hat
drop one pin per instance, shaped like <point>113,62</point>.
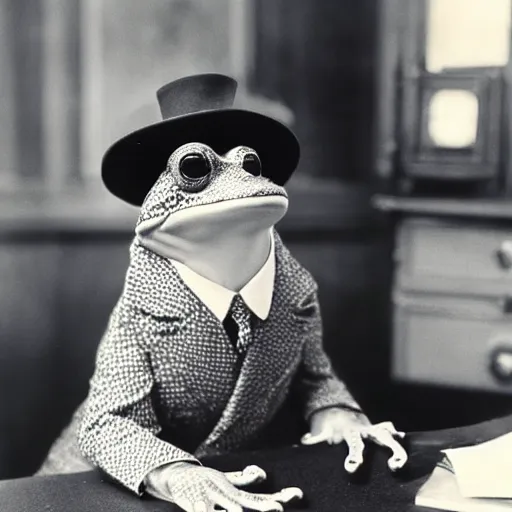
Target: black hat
<point>196,109</point>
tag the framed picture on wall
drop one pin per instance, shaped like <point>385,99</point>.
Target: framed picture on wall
<point>451,126</point>
<point>444,93</point>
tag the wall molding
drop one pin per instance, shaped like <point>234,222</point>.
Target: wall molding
<point>316,207</point>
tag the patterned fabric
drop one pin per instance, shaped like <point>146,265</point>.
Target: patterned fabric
<point>242,316</point>
<point>168,384</point>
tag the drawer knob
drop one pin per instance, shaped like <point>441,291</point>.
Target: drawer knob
<point>504,255</point>
<point>501,363</point>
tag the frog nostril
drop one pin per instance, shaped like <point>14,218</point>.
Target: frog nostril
<point>252,164</point>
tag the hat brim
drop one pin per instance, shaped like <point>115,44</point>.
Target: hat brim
<point>132,165</point>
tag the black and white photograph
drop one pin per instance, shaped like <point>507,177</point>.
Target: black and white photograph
<point>255,255</point>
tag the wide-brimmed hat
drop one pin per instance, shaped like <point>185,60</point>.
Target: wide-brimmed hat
<point>196,108</point>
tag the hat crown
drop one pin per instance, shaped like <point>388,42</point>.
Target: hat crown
<point>196,93</point>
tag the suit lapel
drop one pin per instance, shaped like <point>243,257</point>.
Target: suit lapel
<point>270,361</point>
<point>199,344</point>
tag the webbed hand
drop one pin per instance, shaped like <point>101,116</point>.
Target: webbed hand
<point>199,489</point>
<point>335,425</point>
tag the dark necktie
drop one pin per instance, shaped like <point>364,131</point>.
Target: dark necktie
<point>238,324</point>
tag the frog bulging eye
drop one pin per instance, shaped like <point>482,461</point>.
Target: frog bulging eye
<point>252,164</point>
<point>194,167</point>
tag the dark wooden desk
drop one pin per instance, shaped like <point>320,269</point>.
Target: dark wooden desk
<point>318,470</point>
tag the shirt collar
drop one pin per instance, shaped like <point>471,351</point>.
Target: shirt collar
<point>257,293</point>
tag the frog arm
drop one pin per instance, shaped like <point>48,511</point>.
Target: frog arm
<point>119,428</point>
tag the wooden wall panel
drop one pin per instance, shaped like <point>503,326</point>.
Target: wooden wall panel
<point>55,300</point>
<point>353,278</point>
<point>319,57</point>
<point>7,104</point>
<point>26,34</point>
<point>89,283</point>
<point>61,91</point>
<point>27,342</point>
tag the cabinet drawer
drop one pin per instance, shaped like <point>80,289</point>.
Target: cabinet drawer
<point>434,250</point>
<point>460,342</point>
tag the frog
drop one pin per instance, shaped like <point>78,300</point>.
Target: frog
<point>212,213</point>
<point>217,325</point>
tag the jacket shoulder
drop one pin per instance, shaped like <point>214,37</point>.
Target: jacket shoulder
<point>290,270</point>
<point>152,284</point>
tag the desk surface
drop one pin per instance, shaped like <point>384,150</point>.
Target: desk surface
<point>318,470</point>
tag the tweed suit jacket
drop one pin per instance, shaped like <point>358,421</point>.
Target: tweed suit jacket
<point>169,386</point>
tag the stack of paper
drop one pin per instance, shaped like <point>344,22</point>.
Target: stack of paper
<point>472,479</point>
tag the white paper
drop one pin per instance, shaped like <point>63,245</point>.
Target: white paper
<point>441,491</point>
<point>484,470</point>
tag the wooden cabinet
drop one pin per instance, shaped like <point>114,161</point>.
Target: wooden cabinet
<point>450,340</point>
<point>453,256</point>
<point>451,336</point>
<point>452,294</point>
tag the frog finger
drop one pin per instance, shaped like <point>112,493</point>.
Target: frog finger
<point>249,475</point>
<point>283,496</point>
<point>323,436</point>
<point>226,503</point>
<point>267,502</point>
<point>389,427</point>
<point>355,451</point>
<point>385,438</point>
<point>398,459</point>
<point>288,494</point>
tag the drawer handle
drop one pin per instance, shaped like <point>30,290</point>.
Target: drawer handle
<point>501,363</point>
<point>504,255</point>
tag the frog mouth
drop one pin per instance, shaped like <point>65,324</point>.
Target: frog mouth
<point>256,203</point>
<point>260,211</point>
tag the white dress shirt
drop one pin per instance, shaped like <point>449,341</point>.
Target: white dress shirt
<point>257,293</point>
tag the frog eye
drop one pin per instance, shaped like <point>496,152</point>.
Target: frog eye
<point>252,164</point>
<point>194,167</point>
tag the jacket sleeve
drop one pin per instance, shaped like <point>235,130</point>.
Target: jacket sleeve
<point>119,428</point>
<point>317,384</point>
